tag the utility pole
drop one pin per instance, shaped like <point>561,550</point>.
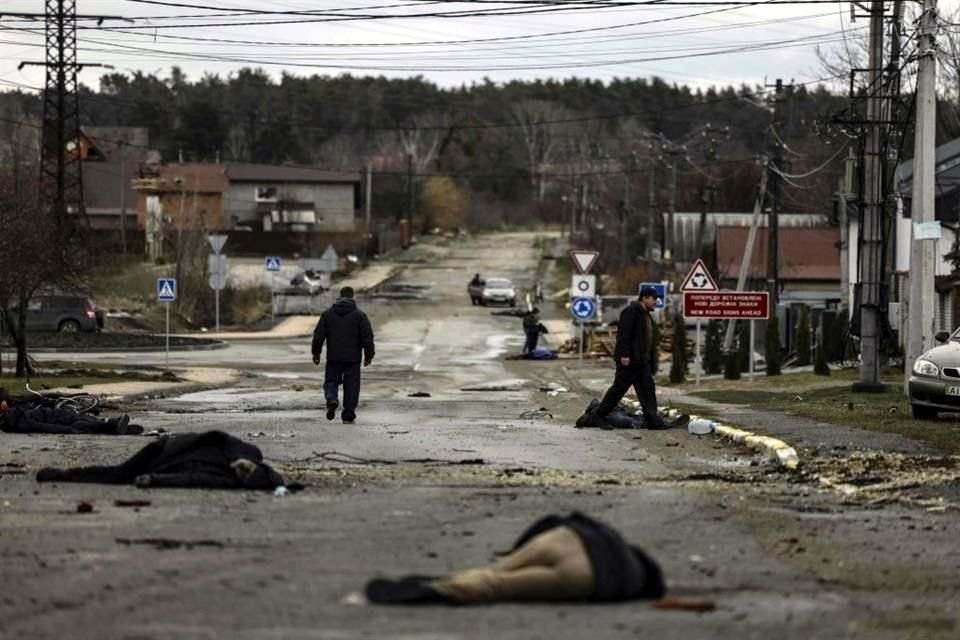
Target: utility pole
<point>871,229</point>
<point>922,259</point>
<point>651,207</point>
<point>368,195</point>
<point>773,224</point>
<point>410,195</point>
<point>671,210</point>
<point>61,180</point>
<point>123,202</point>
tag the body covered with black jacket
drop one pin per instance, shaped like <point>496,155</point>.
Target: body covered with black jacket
<point>347,332</point>
<point>635,335</point>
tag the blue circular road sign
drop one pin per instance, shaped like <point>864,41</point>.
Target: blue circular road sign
<point>583,308</point>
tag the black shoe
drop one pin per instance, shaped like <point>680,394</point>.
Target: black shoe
<point>592,420</point>
<point>658,426</point>
<point>332,409</point>
<point>122,424</point>
<point>349,419</point>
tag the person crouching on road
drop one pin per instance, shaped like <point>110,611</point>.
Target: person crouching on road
<point>349,337</point>
<point>532,330</point>
<point>634,354</point>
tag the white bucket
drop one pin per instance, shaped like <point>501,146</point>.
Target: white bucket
<point>701,426</point>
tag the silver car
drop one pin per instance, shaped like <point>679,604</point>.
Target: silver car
<point>935,380</point>
<point>499,291</point>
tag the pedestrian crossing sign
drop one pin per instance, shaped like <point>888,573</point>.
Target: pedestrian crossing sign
<point>166,289</point>
<point>272,263</point>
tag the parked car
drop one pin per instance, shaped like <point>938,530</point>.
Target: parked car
<point>499,291</point>
<point>935,380</point>
<point>63,313</point>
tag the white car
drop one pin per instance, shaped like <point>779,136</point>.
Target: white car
<point>499,291</point>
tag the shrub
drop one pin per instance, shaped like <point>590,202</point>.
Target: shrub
<point>773,346</point>
<point>820,366</point>
<point>731,368</point>
<point>678,367</point>
<point>803,337</point>
<point>713,355</point>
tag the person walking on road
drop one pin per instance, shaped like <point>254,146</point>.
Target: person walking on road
<point>349,337</point>
<point>532,328</point>
<point>634,354</point>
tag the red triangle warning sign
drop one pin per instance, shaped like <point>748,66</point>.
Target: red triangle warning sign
<point>699,279</point>
<point>584,260</point>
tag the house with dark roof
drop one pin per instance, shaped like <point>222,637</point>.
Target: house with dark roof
<point>290,198</point>
<point>111,157</point>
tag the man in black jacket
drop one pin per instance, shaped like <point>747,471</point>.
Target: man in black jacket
<point>349,338</point>
<point>634,356</point>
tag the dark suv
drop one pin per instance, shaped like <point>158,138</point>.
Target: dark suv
<point>64,313</point>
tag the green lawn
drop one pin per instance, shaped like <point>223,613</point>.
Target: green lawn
<point>885,412</point>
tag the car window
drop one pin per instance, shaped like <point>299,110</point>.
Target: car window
<point>495,283</point>
<point>35,304</point>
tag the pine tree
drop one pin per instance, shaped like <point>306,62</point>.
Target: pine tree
<point>803,337</point>
<point>713,357</point>
<point>773,346</point>
<point>678,368</point>
<point>820,366</point>
<point>744,348</point>
<point>731,366</point>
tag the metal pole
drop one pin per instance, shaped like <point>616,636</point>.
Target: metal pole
<point>216,297</point>
<point>369,192</point>
<point>922,259</point>
<point>750,352</point>
<point>581,341</point>
<point>167,358</point>
<point>698,360</point>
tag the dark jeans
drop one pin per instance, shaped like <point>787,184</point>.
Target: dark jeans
<point>531,343</point>
<point>348,375</point>
<point>640,377</point>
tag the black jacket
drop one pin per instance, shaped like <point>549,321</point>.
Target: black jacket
<point>620,571</point>
<point>347,332</point>
<point>635,335</point>
<point>184,460</point>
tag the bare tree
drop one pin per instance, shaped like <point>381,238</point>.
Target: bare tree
<point>38,248</point>
<point>538,124</point>
<point>419,139</point>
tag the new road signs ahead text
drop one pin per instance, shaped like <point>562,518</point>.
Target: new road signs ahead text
<point>724,305</point>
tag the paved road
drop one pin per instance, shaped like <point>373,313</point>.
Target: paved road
<point>778,555</point>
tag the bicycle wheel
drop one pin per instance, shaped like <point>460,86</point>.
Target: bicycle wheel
<point>81,404</point>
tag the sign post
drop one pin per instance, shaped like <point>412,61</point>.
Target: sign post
<point>218,270</point>
<point>751,350</point>
<point>167,292</point>
<point>582,309</point>
<point>700,280</point>
<point>272,265</point>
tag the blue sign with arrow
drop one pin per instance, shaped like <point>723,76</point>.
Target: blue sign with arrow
<point>583,308</point>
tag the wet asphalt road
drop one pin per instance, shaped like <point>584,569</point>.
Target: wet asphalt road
<point>778,557</point>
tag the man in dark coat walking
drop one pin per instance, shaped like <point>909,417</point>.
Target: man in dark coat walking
<point>634,354</point>
<point>349,338</point>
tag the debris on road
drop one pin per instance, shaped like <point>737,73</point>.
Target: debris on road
<point>132,503</point>
<point>84,507</point>
<point>418,394</point>
<point>166,544</point>
<point>685,605</point>
<point>536,414</point>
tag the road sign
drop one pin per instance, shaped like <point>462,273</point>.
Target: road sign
<point>166,289</point>
<point>272,263</point>
<point>583,286</point>
<point>217,263</point>
<point>699,279</point>
<point>661,292</point>
<point>584,260</point>
<point>218,281</point>
<point>726,305</point>
<point>216,242</point>
<point>583,308</point>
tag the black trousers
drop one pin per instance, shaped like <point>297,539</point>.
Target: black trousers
<point>640,377</point>
<point>532,338</point>
<point>348,375</point>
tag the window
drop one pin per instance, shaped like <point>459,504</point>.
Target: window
<point>266,194</point>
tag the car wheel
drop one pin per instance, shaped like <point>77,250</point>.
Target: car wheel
<point>513,303</point>
<point>923,413</point>
<point>69,326</point>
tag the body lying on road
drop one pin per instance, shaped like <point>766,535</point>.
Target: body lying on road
<point>212,459</point>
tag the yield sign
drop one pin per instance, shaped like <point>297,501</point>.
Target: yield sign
<point>699,279</point>
<point>584,260</point>
<point>216,242</point>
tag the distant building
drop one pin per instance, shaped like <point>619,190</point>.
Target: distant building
<point>288,198</point>
<point>111,157</point>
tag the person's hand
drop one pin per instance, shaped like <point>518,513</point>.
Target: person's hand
<point>367,361</point>
<point>625,361</point>
<point>316,360</point>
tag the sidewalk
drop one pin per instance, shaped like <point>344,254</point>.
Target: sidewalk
<point>192,378</point>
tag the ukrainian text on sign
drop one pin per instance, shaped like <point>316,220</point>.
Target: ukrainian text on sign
<point>749,305</point>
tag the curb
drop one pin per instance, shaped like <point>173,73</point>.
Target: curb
<point>219,344</point>
<point>775,449</point>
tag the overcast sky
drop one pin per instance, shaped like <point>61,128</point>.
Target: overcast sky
<point>697,45</point>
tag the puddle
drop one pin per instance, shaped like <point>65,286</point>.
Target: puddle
<point>282,376</point>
